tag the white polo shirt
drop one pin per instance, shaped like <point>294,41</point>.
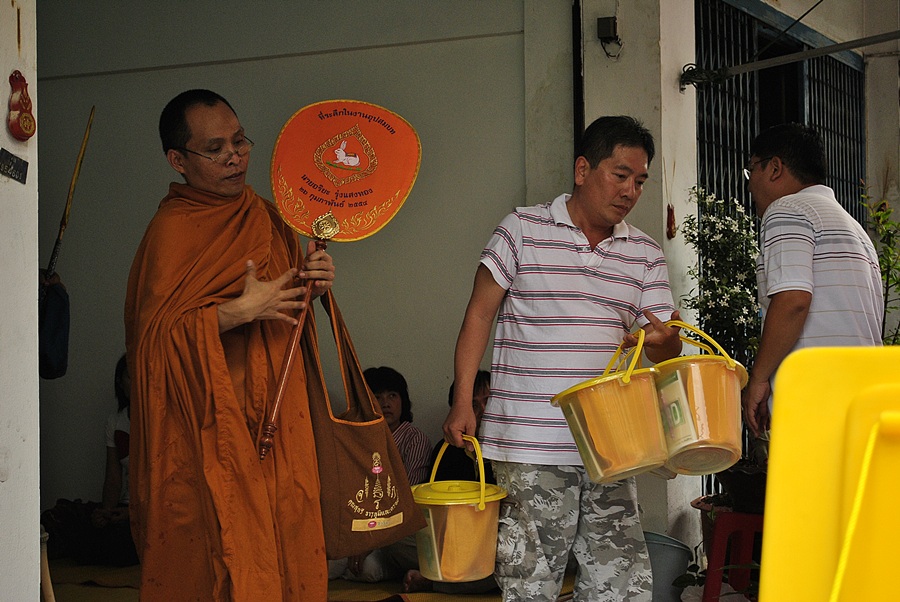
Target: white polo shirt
<point>566,310</point>
<point>808,242</point>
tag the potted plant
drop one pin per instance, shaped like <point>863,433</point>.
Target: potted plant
<point>887,243</point>
<point>724,236</point>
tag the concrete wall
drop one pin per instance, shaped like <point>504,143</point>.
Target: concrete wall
<point>840,20</point>
<point>882,106</point>
<point>19,439</point>
<point>883,111</point>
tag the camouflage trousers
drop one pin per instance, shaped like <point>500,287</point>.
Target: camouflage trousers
<point>551,511</point>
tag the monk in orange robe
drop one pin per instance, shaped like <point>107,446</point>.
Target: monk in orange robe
<point>211,301</point>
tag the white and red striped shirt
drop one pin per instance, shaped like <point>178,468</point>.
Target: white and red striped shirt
<point>566,310</point>
<point>415,449</point>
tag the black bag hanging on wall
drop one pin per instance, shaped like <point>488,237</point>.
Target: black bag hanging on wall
<point>53,331</point>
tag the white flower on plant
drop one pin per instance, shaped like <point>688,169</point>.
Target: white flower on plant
<point>723,235</point>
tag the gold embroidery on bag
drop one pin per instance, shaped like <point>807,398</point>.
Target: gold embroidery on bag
<point>375,502</point>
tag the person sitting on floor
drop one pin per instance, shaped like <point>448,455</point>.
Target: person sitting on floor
<point>100,533</point>
<point>113,530</point>
<point>457,464</point>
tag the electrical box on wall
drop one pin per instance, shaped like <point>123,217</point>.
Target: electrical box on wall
<point>606,29</point>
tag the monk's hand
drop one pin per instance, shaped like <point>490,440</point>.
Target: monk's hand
<point>318,269</point>
<point>261,300</point>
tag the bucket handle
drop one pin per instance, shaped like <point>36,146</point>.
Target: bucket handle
<point>635,352</point>
<point>480,459</point>
<point>731,363</point>
<point>886,427</point>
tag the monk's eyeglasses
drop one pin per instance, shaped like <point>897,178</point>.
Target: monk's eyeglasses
<point>240,149</point>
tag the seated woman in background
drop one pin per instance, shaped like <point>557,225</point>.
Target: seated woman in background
<point>393,561</point>
<point>113,544</point>
<point>392,393</point>
<point>100,533</point>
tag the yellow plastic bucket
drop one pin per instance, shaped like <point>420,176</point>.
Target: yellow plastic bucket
<point>460,541</point>
<point>700,406</point>
<point>615,420</point>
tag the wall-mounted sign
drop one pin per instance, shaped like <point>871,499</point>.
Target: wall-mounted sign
<point>13,166</point>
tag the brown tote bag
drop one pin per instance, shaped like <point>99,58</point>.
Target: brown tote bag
<point>366,499</point>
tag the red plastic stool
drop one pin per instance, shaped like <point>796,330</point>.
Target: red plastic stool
<point>740,530</point>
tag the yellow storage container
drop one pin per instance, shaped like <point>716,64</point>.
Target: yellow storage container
<point>700,405</point>
<point>460,541</point>
<point>615,420</point>
<point>831,521</point>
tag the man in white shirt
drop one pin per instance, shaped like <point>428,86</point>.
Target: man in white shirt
<point>818,275</point>
<point>567,281</point>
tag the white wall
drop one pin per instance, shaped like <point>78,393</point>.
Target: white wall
<point>839,20</point>
<point>882,106</point>
<point>19,536</point>
<point>883,111</point>
<point>549,129</point>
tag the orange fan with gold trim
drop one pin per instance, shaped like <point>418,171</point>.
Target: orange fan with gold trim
<point>341,170</point>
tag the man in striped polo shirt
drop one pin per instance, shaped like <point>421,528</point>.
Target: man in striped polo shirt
<point>567,281</point>
<point>818,275</point>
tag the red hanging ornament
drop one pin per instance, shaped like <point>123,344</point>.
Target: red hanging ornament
<point>21,121</point>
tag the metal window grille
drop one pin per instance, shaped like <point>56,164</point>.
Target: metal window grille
<point>727,116</point>
<point>836,107</point>
<point>830,96</point>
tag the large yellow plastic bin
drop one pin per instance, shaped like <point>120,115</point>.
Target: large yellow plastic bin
<point>831,521</point>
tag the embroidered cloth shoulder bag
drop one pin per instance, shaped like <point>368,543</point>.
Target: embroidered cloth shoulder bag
<point>366,499</point>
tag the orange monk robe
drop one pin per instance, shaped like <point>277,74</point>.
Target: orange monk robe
<point>210,520</point>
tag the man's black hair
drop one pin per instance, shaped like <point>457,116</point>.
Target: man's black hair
<point>482,380</point>
<point>798,146</point>
<point>606,133</point>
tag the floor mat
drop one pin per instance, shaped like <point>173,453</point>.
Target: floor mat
<point>66,571</point>
<point>87,583</point>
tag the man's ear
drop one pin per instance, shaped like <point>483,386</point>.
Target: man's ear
<point>582,169</point>
<point>778,168</point>
<point>176,160</point>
